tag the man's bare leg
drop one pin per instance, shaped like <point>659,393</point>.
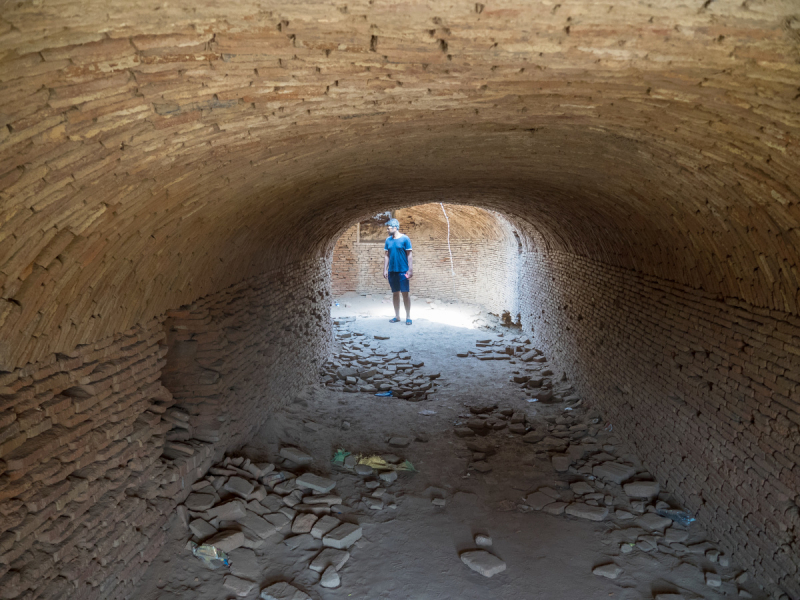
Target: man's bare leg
<point>396,301</point>
<point>406,303</point>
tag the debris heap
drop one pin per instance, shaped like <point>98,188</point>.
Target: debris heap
<point>360,365</point>
<point>241,504</point>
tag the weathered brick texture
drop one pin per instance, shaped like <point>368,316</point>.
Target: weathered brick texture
<point>238,354</point>
<point>85,492</point>
<point>706,389</point>
<point>164,153</point>
<point>155,153</point>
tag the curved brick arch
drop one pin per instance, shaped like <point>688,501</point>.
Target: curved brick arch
<point>192,154</point>
<point>662,139</point>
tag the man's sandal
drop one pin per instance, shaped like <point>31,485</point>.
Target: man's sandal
<point>408,321</point>
<point>395,320</point>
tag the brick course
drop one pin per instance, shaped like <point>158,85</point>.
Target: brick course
<point>85,493</point>
<point>706,390</point>
<point>153,155</point>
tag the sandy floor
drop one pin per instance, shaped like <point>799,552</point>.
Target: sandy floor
<point>412,552</point>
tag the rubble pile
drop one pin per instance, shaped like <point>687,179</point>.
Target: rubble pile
<point>600,482</point>
<point>596,480</point>
<point>241,504</point>
<point>376,496</point>
<point>534,376</point>
<point>504,348</point>
<point>360,365</point>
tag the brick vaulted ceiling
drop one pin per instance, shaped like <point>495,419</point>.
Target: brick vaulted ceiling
<point>154,152</point>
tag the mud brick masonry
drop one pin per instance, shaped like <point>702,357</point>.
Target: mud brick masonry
<point>174,179</point>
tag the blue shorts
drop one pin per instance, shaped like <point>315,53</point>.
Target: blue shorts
<point>398,281</point>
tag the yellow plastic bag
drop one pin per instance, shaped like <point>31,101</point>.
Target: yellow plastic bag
<point>374,461</point>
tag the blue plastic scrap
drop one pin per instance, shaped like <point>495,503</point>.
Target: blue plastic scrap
<point>384,394</point>
<point>679,516</point>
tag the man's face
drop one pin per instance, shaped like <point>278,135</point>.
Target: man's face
<point>391,229</point>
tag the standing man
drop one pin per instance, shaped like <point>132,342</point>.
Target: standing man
<point>398,268</point>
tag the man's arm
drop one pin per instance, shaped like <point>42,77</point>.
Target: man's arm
<point>386,264</point>
<point>410,263</point>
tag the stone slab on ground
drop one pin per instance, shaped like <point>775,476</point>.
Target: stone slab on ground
<point>555,508</point>
<point>581,487</point>
<point>610,571</point>
<point>283,591</point>
<point>483,562</point>
<point>240,587</point>
<point>319,484</point>
<point>296,456</point>
<point>344,536</point>
<point>330,578</point>
<point>258,525</point>
<point>239,486</point>
<point>538,500</point>
<point>642,489</point>
<point>324,525</point>
<point>561,462</point>
<point>228,511</point>
<point>227,540</point>
<point>278,519</point>
<point>653,522</point>
<point>613,471</point>
<point>303,523</point>
<point>586,511</point>
<point>329,557</point>
<point>244,564</point>
<point>199,502</point>
<point>202,529</point>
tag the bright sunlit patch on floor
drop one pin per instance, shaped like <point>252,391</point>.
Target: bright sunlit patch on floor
<point>465,316</point>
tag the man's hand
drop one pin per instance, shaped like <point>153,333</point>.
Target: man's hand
<point>409,274</point>
<point>386,274</point>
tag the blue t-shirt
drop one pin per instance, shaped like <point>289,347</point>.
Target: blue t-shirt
<point>398,261</point>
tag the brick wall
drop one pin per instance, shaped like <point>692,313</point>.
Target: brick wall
<point>237,354</point>
<point>84,489</point>
<point>707,390</point>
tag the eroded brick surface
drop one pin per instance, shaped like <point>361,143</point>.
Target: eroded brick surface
<point>85,493</point>
<point>152,155</point>
<point>161,153</point>
<point>239,353</point>
<point>708,391</point>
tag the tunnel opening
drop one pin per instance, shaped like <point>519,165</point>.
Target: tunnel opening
<point>463,254</point>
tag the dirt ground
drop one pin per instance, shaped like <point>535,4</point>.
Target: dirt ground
<point>410,550</point>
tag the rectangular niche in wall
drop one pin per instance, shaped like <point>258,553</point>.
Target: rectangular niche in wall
<point>373,230</point>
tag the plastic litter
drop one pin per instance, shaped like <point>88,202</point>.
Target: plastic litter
<point>211,556</point>
<point>427,412</point>
<point>384,394</point>
<point>374,461</point>
<point>533,399</point>
<point>679,516</point>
